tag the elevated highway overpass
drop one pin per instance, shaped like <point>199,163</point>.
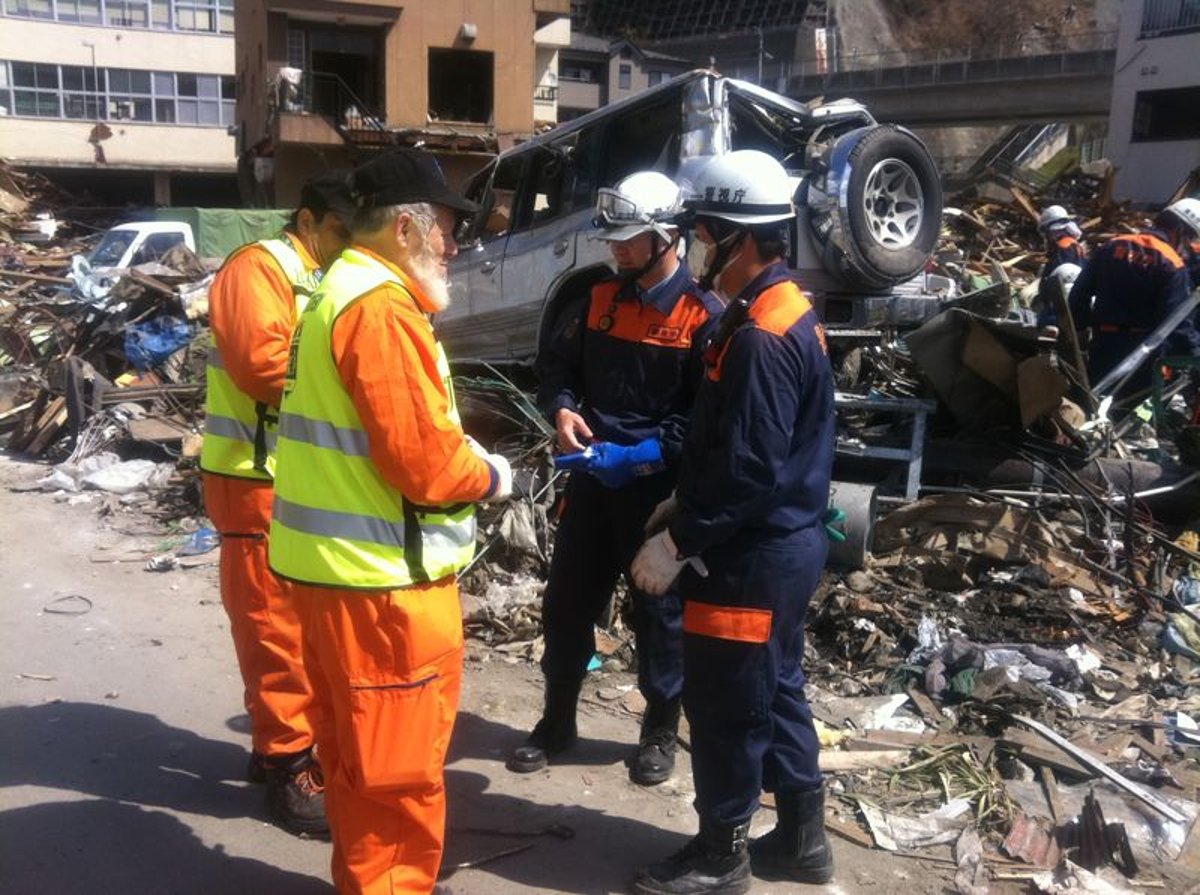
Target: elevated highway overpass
<point>945,89</point>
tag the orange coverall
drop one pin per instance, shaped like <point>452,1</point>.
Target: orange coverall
<point>386,666</point>
<point>252,313</point>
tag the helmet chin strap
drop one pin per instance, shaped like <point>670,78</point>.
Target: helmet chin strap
<point>662,246</point>
<point>726,246</point>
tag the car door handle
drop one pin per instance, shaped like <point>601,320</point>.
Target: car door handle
<point>561,246</point>
<point>487,266</point>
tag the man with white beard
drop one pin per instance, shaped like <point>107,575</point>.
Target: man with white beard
<point>374,514</point>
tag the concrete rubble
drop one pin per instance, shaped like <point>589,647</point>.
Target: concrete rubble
<point>1009,679</point>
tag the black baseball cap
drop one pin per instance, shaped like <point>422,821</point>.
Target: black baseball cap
<point>328,191</point>
<point>404,176</point>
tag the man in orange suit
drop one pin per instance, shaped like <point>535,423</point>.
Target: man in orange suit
<point>254,303</point>
<point>374,516</point>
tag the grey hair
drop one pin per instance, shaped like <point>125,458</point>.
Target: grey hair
<point>371,220</point>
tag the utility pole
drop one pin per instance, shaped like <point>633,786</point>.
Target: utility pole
<point>91,45</point>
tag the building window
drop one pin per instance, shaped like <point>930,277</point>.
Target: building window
<point>1161,17</point>
<point>208,16</point>
<point>35,90</point>
<point>657,77</point>
<point>84,11</point>
<point>577,71</point>
<point>625,77</point>
<point>460,85</point>
<point>1166,115</point>
<point>127,13</point>
<point>30,9</point>
<point>116,94</point>
<point>204,15</point>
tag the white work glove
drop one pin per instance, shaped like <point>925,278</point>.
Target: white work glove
<point>661,517</point>
<point>657,564</point>
<point>504,477</point>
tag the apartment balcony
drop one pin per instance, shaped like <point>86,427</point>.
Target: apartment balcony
<point>579,94</point>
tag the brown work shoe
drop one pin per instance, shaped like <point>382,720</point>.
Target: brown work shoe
<point>296,794</point>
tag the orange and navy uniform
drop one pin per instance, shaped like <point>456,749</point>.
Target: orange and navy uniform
<point>753,490</point>
<point>1128,287</point>
<point>629,363</point>
<point>759,452</point>
<point>1066,249</point>
<point>252,312</point>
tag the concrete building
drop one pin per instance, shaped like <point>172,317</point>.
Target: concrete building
<point>594,71</point>
<point>324,84</point>
<point>131,99</point>
<point>1154,123</point>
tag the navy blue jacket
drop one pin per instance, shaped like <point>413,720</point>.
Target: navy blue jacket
<point>1137,281</point>
<point>630,367</point>
<point>1066,250</point>
<point>759,452</point>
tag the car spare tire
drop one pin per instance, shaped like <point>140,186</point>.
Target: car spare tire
<point>875,206</point>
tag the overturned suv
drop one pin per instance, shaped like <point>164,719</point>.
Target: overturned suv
<point>868,199</point>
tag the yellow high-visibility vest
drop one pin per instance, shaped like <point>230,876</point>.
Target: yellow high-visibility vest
<point>239,432</point>
<point>336,521</point>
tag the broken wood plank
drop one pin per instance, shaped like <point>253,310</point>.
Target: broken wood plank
<point>1050,785</point>
<point>840,762</point>
<point>36,277</point>
<point>849,832</point>
<point>1083,757</point>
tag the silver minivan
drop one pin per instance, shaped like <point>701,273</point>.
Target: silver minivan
<point>868,197</point>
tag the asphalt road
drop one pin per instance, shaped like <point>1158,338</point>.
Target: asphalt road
<point>123,742</point>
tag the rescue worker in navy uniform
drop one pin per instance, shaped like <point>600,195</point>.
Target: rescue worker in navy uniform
<point>745,529</point>
<point>1063,246</point>
<point>617,382</point>
<point>1130,286</point>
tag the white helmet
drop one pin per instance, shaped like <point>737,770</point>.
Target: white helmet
<point>1186,212</point>
<point>645,202</point>
<point>743,187</point>
<point>1053,216</point>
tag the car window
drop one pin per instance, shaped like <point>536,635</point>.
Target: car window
<point>496,216</point>
<point>112,248</point>
<point>579,184</point>
<point>773,131</point>
<point>155,246</point>
<point>645,137</point>
<point>543,199</point>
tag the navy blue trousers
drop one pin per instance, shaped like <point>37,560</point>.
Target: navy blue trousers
<point>743,691</point>
<point>598,536</point>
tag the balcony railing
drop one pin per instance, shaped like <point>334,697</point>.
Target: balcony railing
<point>327,95</point>
<point>545,93</point>
<point>1162,17</point>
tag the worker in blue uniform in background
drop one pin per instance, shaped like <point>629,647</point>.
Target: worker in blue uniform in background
<point>1133,283</point>
<point>745,529</point>
<point>1063,246</point>
<point>617,381</point>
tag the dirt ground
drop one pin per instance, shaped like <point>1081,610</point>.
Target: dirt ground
<point>123,744</point>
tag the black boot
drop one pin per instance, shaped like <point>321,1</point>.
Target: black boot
<point>655,757</point>
<point>555,732</point>
<point>714,863</point>
<point>797,849</point>
<point>256,768</point>
<point>296,793</point>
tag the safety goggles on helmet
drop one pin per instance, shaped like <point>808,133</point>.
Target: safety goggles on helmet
<point>620,218</point>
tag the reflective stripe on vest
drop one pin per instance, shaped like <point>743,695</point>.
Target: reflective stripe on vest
<point>239,432</point>
<point>336,521</point>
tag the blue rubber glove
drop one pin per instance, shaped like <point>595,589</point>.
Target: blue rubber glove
<point>613,464</point>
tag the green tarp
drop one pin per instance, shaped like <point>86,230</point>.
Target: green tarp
<point>219,231</point>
